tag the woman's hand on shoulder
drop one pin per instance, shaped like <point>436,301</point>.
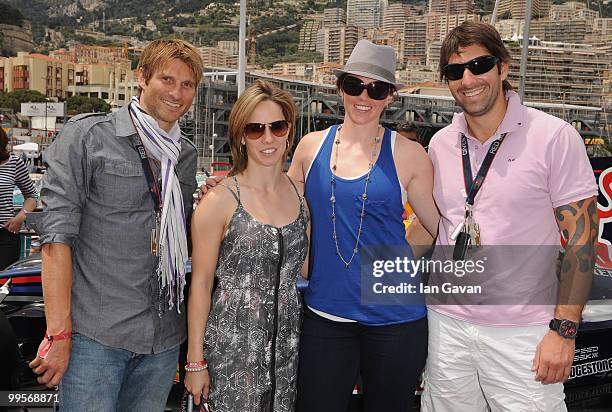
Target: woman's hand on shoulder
<point>208,184</point>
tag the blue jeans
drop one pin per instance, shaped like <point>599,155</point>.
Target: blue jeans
<point>101,378</point>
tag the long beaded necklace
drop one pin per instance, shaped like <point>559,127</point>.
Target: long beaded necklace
<point>364,197</point>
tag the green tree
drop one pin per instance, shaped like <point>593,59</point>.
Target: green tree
<point>84,104</point>
<point>14,99</point>
<point>10,15</point>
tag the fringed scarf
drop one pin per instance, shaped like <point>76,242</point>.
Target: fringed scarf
<point>166,147</point>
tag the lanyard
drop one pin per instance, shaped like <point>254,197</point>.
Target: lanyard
<point>472,186</point>
<point>148,171</point>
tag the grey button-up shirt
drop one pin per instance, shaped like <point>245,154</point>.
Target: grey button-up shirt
<point>95,199</point>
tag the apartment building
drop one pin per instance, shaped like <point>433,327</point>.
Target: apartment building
<point>392,38</point>
<point>396,15</point>
<point>433,54</point>
<point>231,62</point>
<point>563,72</point>
<point>230,47</point>
<point>510,28</point>
<point>451,6</point>
<point>102,72</point>
<point>415,41</point>
<point>115,83</point>
<point>308,32</point>
<point>365,13</point>
<point>439,25</point>
<point>574,30</point>
<point>312,35</point>
<point>334,16</point>
<point>339,41</point>
<point>296,71</point>
<point>48,76</point>
<point>81,53</point>
<point>602,27</point>
<point>516,8</point>
<point>213,56</point>
<point>417,74</point>
<point>324,73</point>
<point>60,79</point>
<point>571,10</point>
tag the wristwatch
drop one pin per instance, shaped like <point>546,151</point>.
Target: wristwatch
<point>565,328</point>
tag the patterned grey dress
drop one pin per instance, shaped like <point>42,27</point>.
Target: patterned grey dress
<point>253,329</point>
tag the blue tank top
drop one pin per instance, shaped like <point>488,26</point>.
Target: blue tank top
<point>333,288</point>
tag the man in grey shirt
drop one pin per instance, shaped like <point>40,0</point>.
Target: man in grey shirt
<point>116,196</point>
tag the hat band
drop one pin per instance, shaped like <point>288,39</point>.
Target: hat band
<point>371,68</point>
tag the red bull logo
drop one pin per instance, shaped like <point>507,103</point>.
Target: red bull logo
<point>604,211</point>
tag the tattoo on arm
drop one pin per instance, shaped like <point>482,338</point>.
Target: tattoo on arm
<point>578,223</point>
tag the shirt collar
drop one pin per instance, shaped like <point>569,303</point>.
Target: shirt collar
<point>513,119</point>
<point>515,113</point>
<point>123,123</point>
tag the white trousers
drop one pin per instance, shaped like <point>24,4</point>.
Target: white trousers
<point>480,368</point>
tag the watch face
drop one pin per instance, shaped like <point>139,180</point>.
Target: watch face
<point>568,328</point>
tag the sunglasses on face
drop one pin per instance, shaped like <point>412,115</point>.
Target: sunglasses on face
<point>479,65</point>
<point>377,90</point>
<point>278,128</point>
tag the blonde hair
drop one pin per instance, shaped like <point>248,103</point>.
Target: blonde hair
<point>159,52</point>
<point>245,106</point>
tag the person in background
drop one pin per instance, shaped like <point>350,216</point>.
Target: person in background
<point>250,232</point>
<point>117,197</point>
<point>13,172</point>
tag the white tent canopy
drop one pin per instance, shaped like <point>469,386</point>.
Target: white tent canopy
<point>26,147</point>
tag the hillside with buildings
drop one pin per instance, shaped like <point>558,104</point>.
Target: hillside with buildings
<point>90,53</point>
<point>569,60</point>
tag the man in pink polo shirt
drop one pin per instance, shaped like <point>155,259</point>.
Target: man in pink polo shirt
<point>512,356</point>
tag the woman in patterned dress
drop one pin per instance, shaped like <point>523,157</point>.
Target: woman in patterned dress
<point>250,232</point>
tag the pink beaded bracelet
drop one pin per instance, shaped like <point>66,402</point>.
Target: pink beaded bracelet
<point>196,366</point>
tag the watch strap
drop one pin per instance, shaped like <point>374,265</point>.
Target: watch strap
<point>559,326</point>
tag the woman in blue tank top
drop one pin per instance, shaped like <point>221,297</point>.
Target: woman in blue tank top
<point>357,178</point>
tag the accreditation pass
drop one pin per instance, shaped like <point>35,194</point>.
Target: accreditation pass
<point>29,398</point>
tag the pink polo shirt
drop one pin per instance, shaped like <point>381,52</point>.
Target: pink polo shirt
<point>542,164</point>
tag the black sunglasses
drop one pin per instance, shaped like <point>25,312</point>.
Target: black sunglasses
<point>254,131</point>
<point>479,65</point>
<point>377,90</point>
